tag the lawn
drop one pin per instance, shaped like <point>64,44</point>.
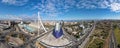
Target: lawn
<point>117,34</point>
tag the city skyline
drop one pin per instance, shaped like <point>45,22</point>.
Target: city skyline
<point>61,9</point>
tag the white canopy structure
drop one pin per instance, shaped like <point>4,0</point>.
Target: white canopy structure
<point>50,40</point>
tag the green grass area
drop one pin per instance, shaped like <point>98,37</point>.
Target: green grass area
<point>97,43</point>
<point>117,34</point>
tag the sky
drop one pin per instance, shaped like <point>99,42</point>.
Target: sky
<point>60,9</point>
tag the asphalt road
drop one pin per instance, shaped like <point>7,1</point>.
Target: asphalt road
<point>113,42</point>
<point>86,38</point>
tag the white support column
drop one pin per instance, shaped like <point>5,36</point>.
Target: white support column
<point>40,23</point>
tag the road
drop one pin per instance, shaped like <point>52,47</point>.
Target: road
<point>87,37</point>
<point>113,42</point>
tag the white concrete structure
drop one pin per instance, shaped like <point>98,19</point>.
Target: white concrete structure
<point>40,24</point>
<point>50,41</point>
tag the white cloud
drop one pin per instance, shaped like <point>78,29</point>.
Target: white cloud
<point>8,17</point>
<point>115,7</point>
<point>87,4</point>
<point>54,7</point>
<point>104,4</point>
<point>18,17</point>
<point>57,7</point>
<point>15,2</point>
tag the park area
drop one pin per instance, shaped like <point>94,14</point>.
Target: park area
<point>117,35</point>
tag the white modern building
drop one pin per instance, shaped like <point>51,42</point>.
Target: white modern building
<point>57,38</point>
